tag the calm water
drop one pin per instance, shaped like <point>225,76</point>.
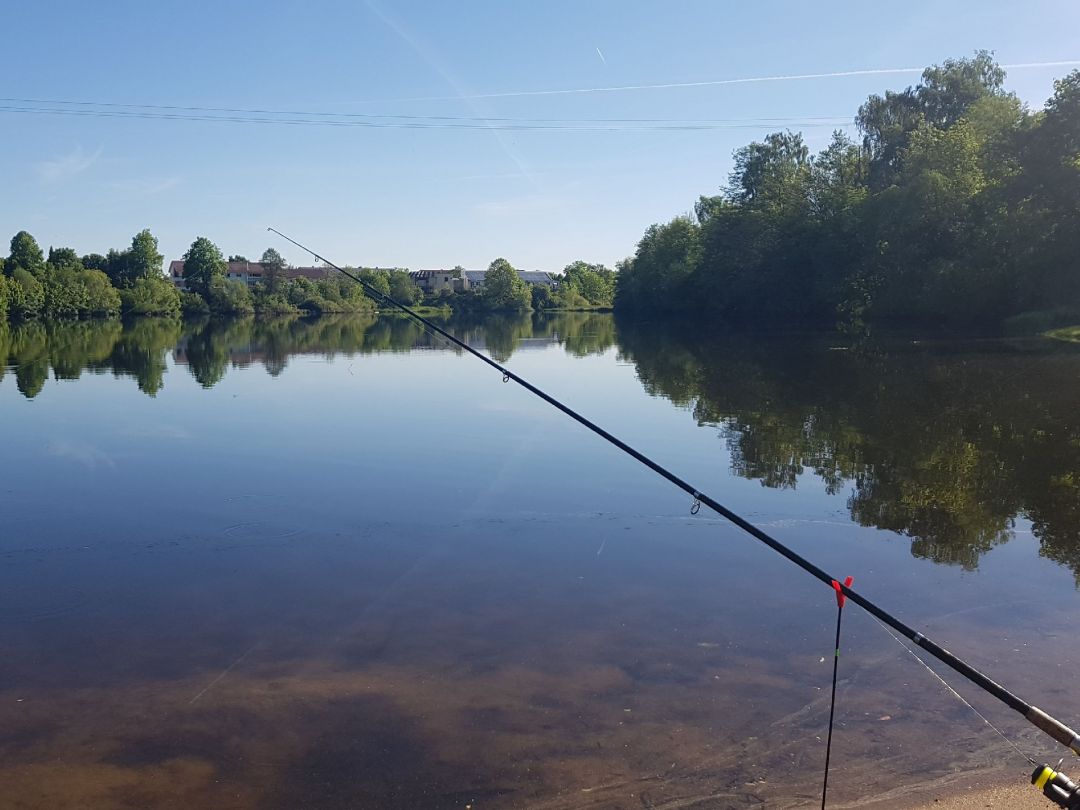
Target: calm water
<point>331,564</point>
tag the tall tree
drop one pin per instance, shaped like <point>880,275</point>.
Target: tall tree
<point>273,270</point>
<point>25,254</point>
<point>64,258</point>
<point>143,260</point>
<point>95,261</point>
<point>657,276</point>
<point>948,90</point>
<point>403,288</point>
<point>503,288</point>
<point>765,172</point>
<point>203,263</point>
<point>594,281</point>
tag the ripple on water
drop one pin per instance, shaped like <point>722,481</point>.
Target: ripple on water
<point>260,530</point>
<point>26,603</point>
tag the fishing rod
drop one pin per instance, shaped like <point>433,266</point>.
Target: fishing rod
<point>1045,722</point>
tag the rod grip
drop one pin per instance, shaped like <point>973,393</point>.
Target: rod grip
<point>1056,729</point>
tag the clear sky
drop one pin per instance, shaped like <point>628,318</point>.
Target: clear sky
<point>449,191</point>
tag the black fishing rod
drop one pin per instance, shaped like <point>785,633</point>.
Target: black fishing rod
<point>1034,715</point>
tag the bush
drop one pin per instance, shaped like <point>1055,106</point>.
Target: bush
<point>102,298</point>
<point>230,297</point>
<point>542,297</point>
<point>191,303</point>
<point>154,295</point>
<point>275,304</point>
<point>26,294</point>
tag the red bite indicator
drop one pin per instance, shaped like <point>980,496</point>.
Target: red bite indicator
<point>840,598</point>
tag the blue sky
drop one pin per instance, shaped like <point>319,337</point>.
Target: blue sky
<point>434,197</point>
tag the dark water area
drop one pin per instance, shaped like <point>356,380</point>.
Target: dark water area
<point>333,564</point>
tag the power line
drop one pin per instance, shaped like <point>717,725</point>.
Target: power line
<point>674,125</point>
<point>365,116</point>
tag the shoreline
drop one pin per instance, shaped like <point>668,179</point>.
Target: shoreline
<point>997,788</point>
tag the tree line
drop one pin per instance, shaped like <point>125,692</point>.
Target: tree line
<point>67,285</point>
<point>209,291</point>
<point>581,286</point>
<point>958,206</point>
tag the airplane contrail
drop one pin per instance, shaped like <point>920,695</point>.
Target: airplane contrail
<point>601,55</point>
<point>433,62</point>
<point>791,77</point>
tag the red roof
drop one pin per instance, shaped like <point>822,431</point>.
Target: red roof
<point>313,273</point>
<point>176,268</point>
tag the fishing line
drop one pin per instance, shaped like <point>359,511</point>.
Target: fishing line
<point>1034,715</point>
<point>954,693</point>
<point>835,669</point>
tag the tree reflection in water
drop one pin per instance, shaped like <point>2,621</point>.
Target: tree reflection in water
<point>947,443</point>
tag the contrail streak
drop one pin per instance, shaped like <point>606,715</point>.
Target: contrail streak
<point>792,77</point>
<point>434,63</point>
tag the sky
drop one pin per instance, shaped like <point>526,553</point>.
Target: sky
<point>442,183</point>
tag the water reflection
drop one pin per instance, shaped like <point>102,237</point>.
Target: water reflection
<point>209,348</point>
<point>947,443</point>
<point>262,595</point>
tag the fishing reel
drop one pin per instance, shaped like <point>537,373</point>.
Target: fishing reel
<point>1057,787</point>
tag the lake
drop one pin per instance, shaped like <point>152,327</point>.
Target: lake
<point>335,564</point>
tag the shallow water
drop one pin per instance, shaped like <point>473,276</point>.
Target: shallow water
<point>332,564</point>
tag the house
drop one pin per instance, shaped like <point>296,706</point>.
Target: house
<point>475,278</point>
<point>433,282</point>
<point>539,278</point>
<point>251,273</point>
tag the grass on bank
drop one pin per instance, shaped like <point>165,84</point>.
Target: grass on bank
<point>1069,333</point>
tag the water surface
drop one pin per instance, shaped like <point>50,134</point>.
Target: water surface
<point>332,563</point>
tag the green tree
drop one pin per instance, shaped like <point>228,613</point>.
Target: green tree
<point>769,172</point>
<point>203,265</point>
<point>151,295</point>
<point>102,298</point>
<point>885,122</point>
<point>657,277</point>
<point>594,281</point>
<point>948,91</point>
<point>25,254</point>
<point>95,261</point>
<point>503,288</point>
<point>542,298</point>
<point>273,270</point>
<point>376,278</point>
<point>403,288</point>
<point>229,297</point>
<point>26,293</point>
<point>143,259</point>
<point>238,258</point>
<point>116,262</point>
<point>64,258</point>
